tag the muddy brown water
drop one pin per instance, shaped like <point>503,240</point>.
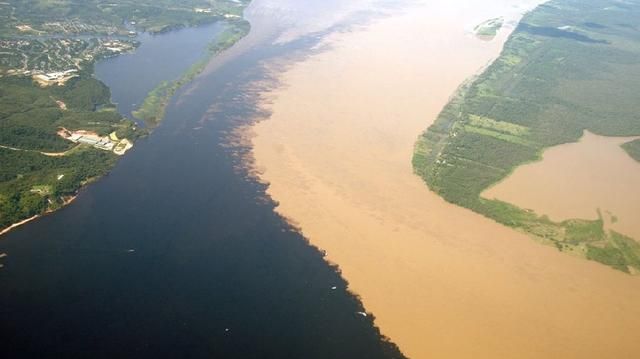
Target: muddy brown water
<point>442,281</point>
<point>176,253</point>
<point>576,180</point>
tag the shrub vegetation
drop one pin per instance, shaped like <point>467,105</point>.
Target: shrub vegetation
<point>570,66</point>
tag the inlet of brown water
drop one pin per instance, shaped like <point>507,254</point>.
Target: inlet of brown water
<point>576,180</point>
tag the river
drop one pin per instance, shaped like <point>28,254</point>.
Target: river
<point>160,57</point>
<point>180,252</point>
<point>335,146</point>
<point>177,252</point>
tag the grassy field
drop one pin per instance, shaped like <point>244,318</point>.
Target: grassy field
<point>569,66</point>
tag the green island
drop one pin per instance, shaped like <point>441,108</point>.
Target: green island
<point>570,66</point>
<point>152,109</point>
<point>489,29</point>
<point>58,127</point>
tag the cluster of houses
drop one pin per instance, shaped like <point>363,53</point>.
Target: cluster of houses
<point>200,10</point>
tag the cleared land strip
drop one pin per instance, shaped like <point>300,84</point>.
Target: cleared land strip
<point>51,154</point>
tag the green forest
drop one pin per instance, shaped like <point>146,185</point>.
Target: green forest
<point>40,169</point>
<point>108,16</point>
<point>32,181</point>
<point>570,66</point>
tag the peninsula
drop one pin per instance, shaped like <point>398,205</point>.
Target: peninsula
<point>569,67</point>
<point>58,127</point>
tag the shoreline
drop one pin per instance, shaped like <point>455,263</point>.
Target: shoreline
<point>435,275</point>
<point>217,46</point>
<point>615,199</point>
<point>466,151</point>
<point>151,111</point>
<point>18,224</point>
<point>66,200</point>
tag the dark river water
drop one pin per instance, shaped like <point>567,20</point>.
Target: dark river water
<point>177,253</point>
<point>159,58</point>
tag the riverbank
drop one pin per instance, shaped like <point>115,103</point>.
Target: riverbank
<point>153,108</point>
<point>527,102</point>
<point>18,224</point>
<point>67,175</point>
<point>442,281</point>
<point>65,201</point>
<point>593,179</point>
